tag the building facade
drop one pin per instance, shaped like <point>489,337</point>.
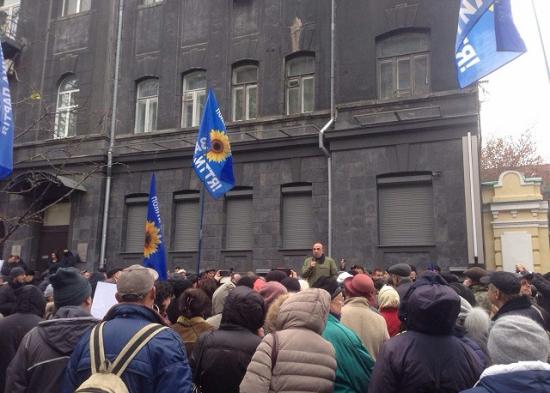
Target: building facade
<point>515,222</point>
<point>387,181</point>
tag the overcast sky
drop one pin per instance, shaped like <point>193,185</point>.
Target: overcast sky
<point>518,94</point>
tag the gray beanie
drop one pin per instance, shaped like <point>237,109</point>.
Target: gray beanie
<point>515,338</point>
<point>69,287</point>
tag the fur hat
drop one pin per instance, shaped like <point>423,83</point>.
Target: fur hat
<point>515,338</point>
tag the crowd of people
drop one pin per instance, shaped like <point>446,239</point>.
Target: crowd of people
<point>322,329</point>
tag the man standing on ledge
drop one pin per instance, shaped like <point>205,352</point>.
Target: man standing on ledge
<point>318,265</point>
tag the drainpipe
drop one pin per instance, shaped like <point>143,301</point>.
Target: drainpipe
<point>111,138</point>
<point>330,123</point>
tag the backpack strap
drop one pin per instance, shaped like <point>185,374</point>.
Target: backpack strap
<point>131,349</point>
<point>97,353</point>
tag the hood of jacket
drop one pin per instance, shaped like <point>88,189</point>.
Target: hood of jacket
<point>307,309</point>
<point>244,307</point>
<point>219,297</point>
<point>430,306</point>
<point>65,330</point>
<point>516,377</point>
<point>30,300</point>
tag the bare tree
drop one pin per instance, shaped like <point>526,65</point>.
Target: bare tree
<point>504,153</point>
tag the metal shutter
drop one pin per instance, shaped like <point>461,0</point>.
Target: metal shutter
<point>135,228</point>
<point>297,221</point>
<point>186,226</point>
<point>238,229</point>
<point>406,214</point>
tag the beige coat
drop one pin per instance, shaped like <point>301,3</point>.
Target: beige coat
<point>305,361</point>
<point>370,326</point>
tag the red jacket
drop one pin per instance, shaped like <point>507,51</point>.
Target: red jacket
<point>392,320</point>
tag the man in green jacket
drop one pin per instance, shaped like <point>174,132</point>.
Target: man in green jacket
<point>355,364</point>
<point>318,265</point>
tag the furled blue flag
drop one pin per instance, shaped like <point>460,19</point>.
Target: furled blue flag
<point>6,124</point>
<point>486,39</point>
<point>153,250</point>
<point>212,160</point>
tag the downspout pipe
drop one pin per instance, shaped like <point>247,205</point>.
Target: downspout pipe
<point>111,138</point>
<point>330,123</point>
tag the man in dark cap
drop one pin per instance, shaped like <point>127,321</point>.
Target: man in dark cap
<point>7,292</point>
<point>473,282</point>
<point>43,353</point>
<point>161,365</point>
<point>400,278</point>
<point>504,293</point>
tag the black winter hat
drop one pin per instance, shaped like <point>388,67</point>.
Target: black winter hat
<point>275,275</point>
<point>329,284</point>
<point>292,284</point>
<point>506,282</point>
<point>244,307</point>
<point>30,300</point>
<point>69,287</point>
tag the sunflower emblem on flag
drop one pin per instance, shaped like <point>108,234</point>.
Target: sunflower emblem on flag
<point>152,239</point>
<point>219,146</point>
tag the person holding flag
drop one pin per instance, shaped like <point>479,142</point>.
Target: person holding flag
<point>486,39</point>
<point>6,123</point>
<point>154,255</point>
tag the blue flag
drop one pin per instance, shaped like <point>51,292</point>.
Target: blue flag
<point>486,39</point>
<point>6,124</point>
<point>212,160</point>
<point>153,251</point>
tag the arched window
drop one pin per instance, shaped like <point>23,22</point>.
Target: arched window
<point>146,105</point>
<point>66,108</point>
<point>194,95</point>
<point>403,62</point>
<point>300,84</point>
<point>244,86</point>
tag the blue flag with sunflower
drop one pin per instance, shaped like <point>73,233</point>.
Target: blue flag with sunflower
<point>212,160</point>
<point>153,250</point>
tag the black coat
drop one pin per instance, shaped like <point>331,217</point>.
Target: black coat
<point>12,329</point>
<point>428,357</point>
<point>522,306</point>
<point>7,299</point>
<point>220,358</point>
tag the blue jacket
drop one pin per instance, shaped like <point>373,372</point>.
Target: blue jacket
<point>161,366</point>
<point>524,377</point>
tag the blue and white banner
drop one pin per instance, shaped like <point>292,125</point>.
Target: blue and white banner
<point>212,161</point>
<point>154,255</point>
<point>486,39</point>
<point>6,124</point>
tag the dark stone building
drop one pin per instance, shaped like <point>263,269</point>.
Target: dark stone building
<point>387,181</point>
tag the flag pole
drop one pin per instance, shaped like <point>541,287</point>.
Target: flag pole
<point>201,213</point>
<point>541,40</point>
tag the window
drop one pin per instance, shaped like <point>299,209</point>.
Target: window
<point>9,15</point>
<point>146,105</point>
<point>65,114</point>
<point>300,85</point>
<point>194,95</point>
<point>245,92</point>
<point>239,216</point>
<point>405,210</point>
<point>403,65</point>
<point>149,2</point>
<point>136,215</point>
<point>186,221</point>
<point>297,217</point>
<point>75,6</point>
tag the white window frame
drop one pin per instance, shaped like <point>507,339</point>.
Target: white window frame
<point>300,79</point>
<point>79,9</point>
<point>193,95</point>
<point>245,87</point>
<point>12,17</point>
<point>148,100</point>
<point>396,91</point>
<point>68,110</point>
<point>147,3</point>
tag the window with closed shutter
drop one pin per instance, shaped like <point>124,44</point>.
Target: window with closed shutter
<point>239,220</point>
<point>186,222</point>
<point>135,226</point>
<point>297,217</point>
<point>405,210</point>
